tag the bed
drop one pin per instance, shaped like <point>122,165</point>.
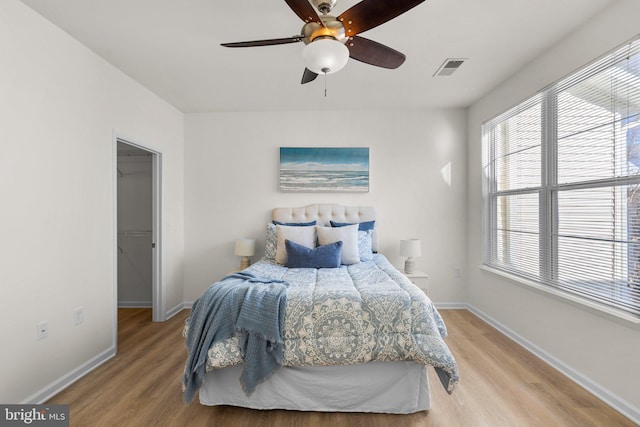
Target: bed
<point>356,337</point>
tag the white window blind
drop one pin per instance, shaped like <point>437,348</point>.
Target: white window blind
<point>562,184</point>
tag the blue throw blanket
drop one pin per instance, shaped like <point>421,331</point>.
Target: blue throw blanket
<point>244,305</point>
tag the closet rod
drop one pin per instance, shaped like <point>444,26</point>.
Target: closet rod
<point>133,154</point>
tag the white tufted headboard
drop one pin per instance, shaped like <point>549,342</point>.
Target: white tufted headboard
<point>325,212</point>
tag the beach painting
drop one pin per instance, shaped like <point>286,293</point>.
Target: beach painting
<point>324,169</point>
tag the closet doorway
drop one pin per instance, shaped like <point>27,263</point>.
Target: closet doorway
<point>138,219</point>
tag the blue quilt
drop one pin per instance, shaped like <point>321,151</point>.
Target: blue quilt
<point>352,314</point>
<point>243,306</point>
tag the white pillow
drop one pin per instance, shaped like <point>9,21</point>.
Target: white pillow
<point>305,236</point>
<point>349,237</point>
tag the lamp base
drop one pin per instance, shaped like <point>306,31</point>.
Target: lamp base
<point>245,262</point>
<point>409,265</point>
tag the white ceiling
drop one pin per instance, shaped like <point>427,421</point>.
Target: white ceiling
<point>173,48</point>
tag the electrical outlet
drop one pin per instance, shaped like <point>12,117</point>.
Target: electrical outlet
<point>43,330</point>
<point>78,316</point>
<point>457,272</point>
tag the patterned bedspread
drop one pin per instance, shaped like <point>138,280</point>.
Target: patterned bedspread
<point>352,314</point>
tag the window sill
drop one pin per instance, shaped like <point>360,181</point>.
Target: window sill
<point>606,312</point>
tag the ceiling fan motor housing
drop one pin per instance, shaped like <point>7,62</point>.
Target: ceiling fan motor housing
<point>332,28</point>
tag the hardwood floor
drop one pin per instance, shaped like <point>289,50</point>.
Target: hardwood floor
<point>501,385</point>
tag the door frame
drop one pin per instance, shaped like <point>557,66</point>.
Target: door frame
<point>158,291</point>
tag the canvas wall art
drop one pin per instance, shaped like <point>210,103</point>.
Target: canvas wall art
<point>341,169</point>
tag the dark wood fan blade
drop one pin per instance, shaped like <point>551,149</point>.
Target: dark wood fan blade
<point>374,53</point>
<point>308,76</point>
<point>269,42</point>
<point>304,10</point>
<point>370,13</point>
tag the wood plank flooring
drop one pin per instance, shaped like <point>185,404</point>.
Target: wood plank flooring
<point>502,384</point>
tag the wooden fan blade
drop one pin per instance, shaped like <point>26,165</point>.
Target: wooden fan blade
<point>374,53</point>
<point>304,10</point>
<point>370,13</point>
<point>269,42</point>
<point>308,76</point>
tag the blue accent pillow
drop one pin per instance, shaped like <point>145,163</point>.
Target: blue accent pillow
<point>362,226</point>
<point>326,256</point>
<point>294,224</point>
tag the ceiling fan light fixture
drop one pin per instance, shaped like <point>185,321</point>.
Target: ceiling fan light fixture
<point>325,56</point>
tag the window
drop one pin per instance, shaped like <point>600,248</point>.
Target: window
<point>561,184</point>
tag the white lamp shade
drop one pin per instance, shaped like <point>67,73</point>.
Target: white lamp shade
<point>410,248</point>
<point>245,247</point>
<point>325,56</point>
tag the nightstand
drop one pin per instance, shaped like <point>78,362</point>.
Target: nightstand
<point>235,270</point>
<point>419,278</point>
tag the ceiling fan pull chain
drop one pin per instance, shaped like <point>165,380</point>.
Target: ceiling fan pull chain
<point>325,85</point>
<point>325,71</point>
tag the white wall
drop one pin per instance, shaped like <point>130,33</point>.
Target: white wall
<point>602,353</point>
<point>59,107</point>
<point>231,184</point>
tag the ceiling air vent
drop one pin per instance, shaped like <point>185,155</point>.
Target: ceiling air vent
<point>449,66</point>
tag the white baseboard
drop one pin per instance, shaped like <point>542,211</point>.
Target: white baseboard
<point>57,386</point>
<point>177,309</point>
<point>135,304</point>
<point>451,305</point>
<point>628,410</point>
<point>148,304</point>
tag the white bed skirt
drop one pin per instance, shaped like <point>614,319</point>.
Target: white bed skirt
<point>384,387</point>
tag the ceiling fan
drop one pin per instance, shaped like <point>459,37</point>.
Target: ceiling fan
<point>330,41</point>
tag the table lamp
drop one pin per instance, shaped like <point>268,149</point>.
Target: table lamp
<point>410,248</point>
<point>245,248</point>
